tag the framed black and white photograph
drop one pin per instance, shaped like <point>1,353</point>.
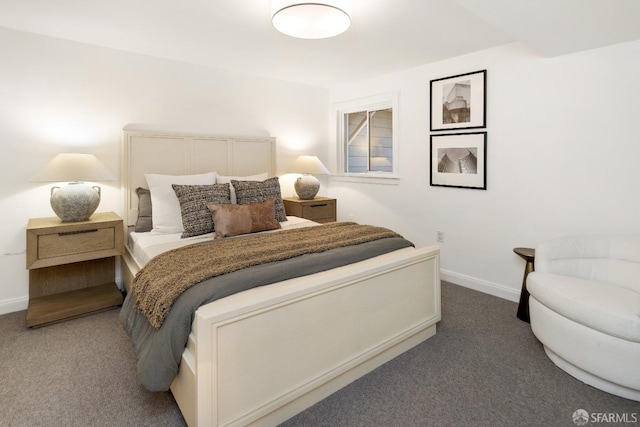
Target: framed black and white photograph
<point>459,160</point>
<point>459,102</point>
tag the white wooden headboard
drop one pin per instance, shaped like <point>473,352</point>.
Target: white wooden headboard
<point>175,153</point>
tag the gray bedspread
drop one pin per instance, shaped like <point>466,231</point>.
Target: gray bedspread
<point>159,351</point>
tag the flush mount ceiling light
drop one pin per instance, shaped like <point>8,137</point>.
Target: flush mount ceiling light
<point>311,20</point>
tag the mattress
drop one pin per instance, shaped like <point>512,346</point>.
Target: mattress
<point>144,246</point>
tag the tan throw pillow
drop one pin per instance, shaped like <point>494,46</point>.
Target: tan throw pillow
<point>233,220</point>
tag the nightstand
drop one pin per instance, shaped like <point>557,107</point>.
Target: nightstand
<point>320,209</point>
<point>72,266</point>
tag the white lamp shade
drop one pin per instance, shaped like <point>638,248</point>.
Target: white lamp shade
<point>74,167</point>
<point>311,20</point>
<point>308,164</point>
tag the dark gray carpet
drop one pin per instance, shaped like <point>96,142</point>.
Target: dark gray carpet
<point>75,373</point>
<point>484,367</point>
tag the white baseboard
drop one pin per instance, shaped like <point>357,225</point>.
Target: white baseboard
<point>480,285</point>
<point>15,304</point>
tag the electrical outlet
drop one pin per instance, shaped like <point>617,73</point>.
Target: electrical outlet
<point>440,236</point>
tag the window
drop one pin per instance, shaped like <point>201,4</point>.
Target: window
<point>367,138</point>
<point>369,141</point>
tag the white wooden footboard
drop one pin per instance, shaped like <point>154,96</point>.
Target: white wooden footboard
<point>262,356</point>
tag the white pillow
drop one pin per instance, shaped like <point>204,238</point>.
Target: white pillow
<point>221,179</point>
<point>166,215</point>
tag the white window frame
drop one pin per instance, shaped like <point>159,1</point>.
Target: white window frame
<point>377,102</point>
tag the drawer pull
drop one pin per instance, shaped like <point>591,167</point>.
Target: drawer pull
<point>67,233</point>
<point>319,206</point>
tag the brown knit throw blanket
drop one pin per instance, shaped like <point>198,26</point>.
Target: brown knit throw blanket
<point>166,276</point>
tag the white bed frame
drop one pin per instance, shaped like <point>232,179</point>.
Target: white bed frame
<point>261,356</point>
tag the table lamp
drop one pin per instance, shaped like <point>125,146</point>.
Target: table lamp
<point>307,185</point>
<point>75,201</point>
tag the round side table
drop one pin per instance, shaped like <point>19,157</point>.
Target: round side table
<point>528,255</point>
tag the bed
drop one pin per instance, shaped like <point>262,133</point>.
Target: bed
<point>260,356</point>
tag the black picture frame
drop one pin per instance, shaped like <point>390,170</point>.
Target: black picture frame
<point>458,102</point>
<point>459,160</point>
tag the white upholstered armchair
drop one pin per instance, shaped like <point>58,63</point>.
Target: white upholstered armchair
<point>585,309</point>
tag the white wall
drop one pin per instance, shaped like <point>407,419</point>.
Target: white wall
<point>563,158</point>
<point>58,96</point>
<point>562,145</point>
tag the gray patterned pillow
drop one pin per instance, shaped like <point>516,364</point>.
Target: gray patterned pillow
<point>196,217</point>
<point>144,222</point>
<point>260,191</point>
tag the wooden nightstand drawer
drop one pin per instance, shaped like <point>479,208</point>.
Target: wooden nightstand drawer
<point>75,242</point>
<point>53,242</point>
<point>316,211</point>
<point>320,209</point>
